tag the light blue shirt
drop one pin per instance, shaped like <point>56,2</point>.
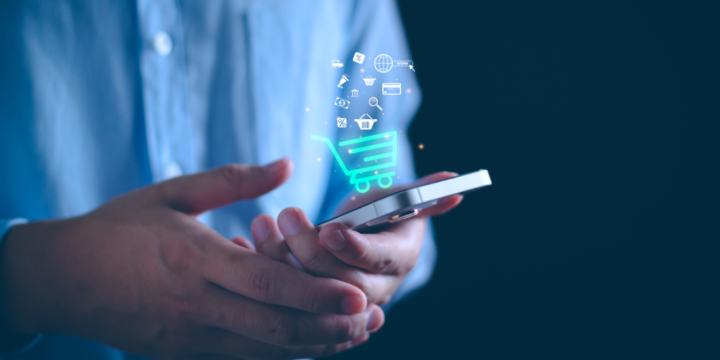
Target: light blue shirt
<point>101,97</point>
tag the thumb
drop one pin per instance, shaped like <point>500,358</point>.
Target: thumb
<point>197,193</point>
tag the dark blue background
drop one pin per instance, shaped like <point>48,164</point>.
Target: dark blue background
<point>598,123</point>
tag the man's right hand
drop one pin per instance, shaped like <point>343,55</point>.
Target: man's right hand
<point>140,273</point>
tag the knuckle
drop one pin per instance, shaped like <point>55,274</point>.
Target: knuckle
<point>238,176</point>
<point>361,255</point>
<point>313,299</point>
<point>179,257</point>
<point>360,280</point>
<point>285,331</point>
<point>261,284</point>
<point>234,173</point>
<point>314,261</point>
<point>158,192</point>
<point>384,265</point>
<point>375,261</point>
<point>345,329</point>
<point>227,316</point>
<point>162,191</point>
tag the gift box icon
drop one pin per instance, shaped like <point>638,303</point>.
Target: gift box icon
<point>365,122</point>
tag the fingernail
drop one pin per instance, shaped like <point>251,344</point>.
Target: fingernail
<point>289,222</point>
<point>335,240</point>
<point>375,320</point>
<point>274,166</point>
<point>352,304</point>
<point>261,231</point>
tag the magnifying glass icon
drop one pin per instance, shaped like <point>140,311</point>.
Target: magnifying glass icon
<point>374,102</point>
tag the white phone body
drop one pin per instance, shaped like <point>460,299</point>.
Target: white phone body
<point>407,203</point>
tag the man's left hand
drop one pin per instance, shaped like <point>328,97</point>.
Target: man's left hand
<point>376,262</point>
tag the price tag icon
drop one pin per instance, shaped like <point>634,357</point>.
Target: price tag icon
<point>359,58</point>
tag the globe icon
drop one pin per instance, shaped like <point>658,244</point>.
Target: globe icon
<point>383,63</point>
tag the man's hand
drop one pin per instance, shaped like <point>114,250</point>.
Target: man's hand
<point>377,262</point>
<point>142,274</point>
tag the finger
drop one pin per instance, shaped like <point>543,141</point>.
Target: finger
<point>239,240</point>
<point>270,242</point>
<point>222,344</point>
<point>281,325</point>
<point>303,240</point>
<point>443,205</point>
<point>441,175</point>
<point>392,251</point>
<point>258,277</point>
<point>194,194</point>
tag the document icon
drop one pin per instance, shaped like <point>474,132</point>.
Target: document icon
<point>391,89</point>
<point>342,122</point>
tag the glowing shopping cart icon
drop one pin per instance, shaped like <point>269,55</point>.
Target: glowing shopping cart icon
<point>382,149</point>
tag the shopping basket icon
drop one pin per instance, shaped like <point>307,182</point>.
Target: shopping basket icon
<point>382,146</point>
<point>366,122</point>
<point>369,80</point>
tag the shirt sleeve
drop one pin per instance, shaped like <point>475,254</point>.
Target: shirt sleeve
<point>21,346</point>
<point>373,28</point>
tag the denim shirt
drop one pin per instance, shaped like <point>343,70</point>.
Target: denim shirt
<point>100,97</point>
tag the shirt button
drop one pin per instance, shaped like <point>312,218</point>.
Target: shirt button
<point>162,43</point>
<point>172,170</point>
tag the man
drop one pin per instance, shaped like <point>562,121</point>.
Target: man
<point>106,245</point>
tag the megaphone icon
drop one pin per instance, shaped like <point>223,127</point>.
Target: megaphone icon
<point>343,80</point>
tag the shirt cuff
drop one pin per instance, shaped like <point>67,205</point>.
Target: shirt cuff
<point>25,345</point>
<point>6,224</point>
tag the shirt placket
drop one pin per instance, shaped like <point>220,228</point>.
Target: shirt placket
<point>164,88</point>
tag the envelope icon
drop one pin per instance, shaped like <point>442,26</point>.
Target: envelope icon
<point>342,122</point>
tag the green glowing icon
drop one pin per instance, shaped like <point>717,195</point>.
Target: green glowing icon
<point>368,143</point>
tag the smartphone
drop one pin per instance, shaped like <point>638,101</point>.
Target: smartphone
<point>408,203</point>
